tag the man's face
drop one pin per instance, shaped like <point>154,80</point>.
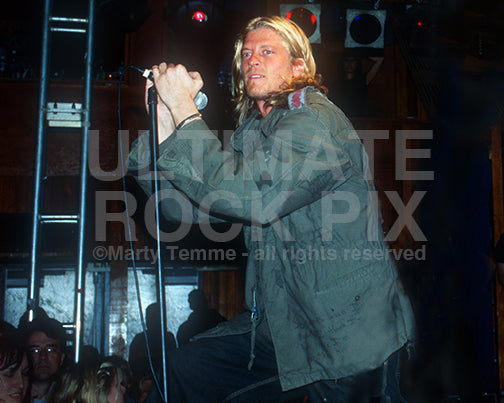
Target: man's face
<point>266,63</point>
<point>45,355</point>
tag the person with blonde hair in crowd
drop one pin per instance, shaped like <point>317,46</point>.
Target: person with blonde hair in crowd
<point>113,381</point>
<point>77,385</point>
<point>90,382</point>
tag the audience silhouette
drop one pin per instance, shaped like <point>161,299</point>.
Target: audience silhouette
<point>202,318</point>
<point>138,353</point>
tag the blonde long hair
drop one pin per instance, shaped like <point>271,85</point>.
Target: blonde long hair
<point>78,385</point>
<point>89,383</point>
<point>112,372</point>
<point>299,48</point>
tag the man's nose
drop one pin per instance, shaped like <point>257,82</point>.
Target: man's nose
<point>254,60</point>
<point>43,354</point>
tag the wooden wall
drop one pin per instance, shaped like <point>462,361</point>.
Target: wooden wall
<point>498,230</point>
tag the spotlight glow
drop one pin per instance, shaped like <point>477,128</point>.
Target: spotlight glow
<point>200,16</point>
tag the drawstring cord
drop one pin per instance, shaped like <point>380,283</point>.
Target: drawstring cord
<point>253,319</point>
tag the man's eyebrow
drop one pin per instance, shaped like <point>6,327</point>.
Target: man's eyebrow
<point>45,345</point>
<point>264,45</point>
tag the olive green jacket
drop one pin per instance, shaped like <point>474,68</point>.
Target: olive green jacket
<point>318,268</point>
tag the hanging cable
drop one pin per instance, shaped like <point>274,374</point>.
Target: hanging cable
<point>133,262</point>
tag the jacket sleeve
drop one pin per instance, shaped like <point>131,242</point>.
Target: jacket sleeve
<point>272,175</point>
<point>175,205</point>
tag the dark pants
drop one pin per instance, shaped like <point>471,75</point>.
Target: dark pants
<point>215,370</point>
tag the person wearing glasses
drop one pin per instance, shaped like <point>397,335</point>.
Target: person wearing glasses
<point>45,346</point>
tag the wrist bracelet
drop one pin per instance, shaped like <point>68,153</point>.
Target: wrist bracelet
<point>187,120</point>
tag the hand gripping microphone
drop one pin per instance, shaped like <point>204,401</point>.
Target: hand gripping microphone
<point>201,99</point>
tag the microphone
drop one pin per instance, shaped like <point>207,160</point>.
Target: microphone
<point>201,99</point>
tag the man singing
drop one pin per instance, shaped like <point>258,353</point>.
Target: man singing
<point>326,311</point>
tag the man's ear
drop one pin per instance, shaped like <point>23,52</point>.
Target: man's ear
<point>298,66</point>
<point>61,359</point>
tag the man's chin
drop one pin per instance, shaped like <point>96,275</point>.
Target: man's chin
<point>43,376</point>
<point>256,94</point>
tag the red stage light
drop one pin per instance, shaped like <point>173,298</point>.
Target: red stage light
<point>304,18</point>
<point>199,16</point>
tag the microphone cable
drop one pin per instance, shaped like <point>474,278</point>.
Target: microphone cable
<point>133,261</point>
<point>201,101</point>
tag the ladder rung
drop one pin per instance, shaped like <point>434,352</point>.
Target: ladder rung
<point>60,219</point>
<point>75,30</point>
<point>68,19</point>
<point>61,110</point>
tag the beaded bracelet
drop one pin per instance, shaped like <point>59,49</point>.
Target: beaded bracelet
<point>187,120</point>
